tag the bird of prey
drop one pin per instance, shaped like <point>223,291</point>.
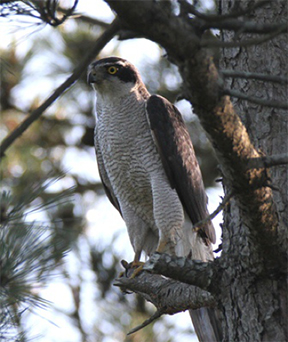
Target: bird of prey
<point>147,164</point>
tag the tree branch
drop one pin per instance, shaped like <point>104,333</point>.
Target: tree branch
<point>148,321</point>
<point>267,161</point>
<point>254,75</point>
<point>243,43</point>
<point>167,295</point>
<point>100,43</point>
<point>210,217</point>
<point>85,19</point>
<point>246,26</point>
<point>258,100</point>
<point>219,18</point>
<point>170,296</point>
<point>192,272</point>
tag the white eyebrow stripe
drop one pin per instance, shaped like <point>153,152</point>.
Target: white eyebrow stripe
<point>113,63</point>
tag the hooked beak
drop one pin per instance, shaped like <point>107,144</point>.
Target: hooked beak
<point>92,78</point>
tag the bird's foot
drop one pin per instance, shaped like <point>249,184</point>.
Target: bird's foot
<point>132,269</point>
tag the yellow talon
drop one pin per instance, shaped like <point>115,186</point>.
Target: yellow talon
<point>136,265</point>
<point>139,267</point>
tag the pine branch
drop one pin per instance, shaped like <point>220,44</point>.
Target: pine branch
<point>28,254</point>
<point>100,43</point>
<point>44,11</point>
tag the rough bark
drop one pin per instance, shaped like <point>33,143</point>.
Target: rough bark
<point>252,288</point>
<point>261,302</point>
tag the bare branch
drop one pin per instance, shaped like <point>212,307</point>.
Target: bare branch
<point>85,19</point>
<point>218,18</point>
<point>100,43</point>
<point>193,272</point>
<point>258,100</point>
<point>246,26</point>
<point>210,217</point>
<point>169,296</point>
<point>247,42</point>
<point>254,75</point>
<point>267,161</point>
<point>148,321</point>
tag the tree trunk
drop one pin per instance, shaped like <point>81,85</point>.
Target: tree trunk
<point>255,308</point>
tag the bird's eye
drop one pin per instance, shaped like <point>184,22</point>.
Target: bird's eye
<point>112,70</point>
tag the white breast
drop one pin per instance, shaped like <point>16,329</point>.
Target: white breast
<point>129,152</point>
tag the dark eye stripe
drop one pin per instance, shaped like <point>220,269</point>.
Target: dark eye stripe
<point>126,73</point>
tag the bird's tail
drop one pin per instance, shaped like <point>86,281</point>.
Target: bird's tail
<point>207,324</point>
<point>206,321</point>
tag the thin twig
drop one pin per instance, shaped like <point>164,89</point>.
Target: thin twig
<point>257,100</point>
<point>84,18</point>
<point>267,161</point>
<point>254,75</point>
<point>215,17</point>
<point>210,217</point>
<point>247,42</point>
<point>245,26</point>
<point>100,43</point>
<point>148,321</point>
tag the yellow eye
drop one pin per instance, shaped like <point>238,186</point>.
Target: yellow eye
<point>112,70</point>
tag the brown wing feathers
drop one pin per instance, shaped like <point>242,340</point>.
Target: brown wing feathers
<point>179,160</point>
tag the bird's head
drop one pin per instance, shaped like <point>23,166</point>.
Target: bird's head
<point>113,76</point>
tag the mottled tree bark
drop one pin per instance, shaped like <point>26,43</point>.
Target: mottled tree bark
<point>256,307</point>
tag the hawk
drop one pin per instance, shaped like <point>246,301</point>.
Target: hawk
<point>147,164</point>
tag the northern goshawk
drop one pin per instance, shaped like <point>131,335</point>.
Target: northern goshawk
<point>147,164</point>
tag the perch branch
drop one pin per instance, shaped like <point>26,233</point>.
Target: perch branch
<point>100,43</point>
<point>192,272</point>
<point>167,295</point>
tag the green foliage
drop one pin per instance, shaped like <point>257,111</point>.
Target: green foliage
<point>29,252</point>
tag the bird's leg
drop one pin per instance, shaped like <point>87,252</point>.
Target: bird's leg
<point>137,264</point>
<point>167,244</point>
